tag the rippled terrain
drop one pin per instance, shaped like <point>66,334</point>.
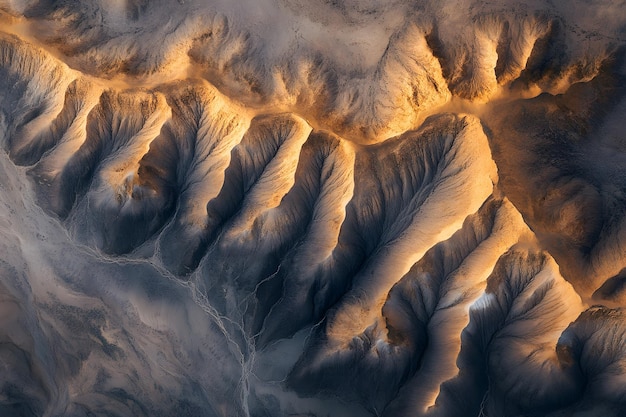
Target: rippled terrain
<point>311,208</point>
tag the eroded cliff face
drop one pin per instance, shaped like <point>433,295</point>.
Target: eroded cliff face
<point>290,208</point>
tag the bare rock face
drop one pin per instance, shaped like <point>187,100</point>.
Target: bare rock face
<point>285,207</point>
